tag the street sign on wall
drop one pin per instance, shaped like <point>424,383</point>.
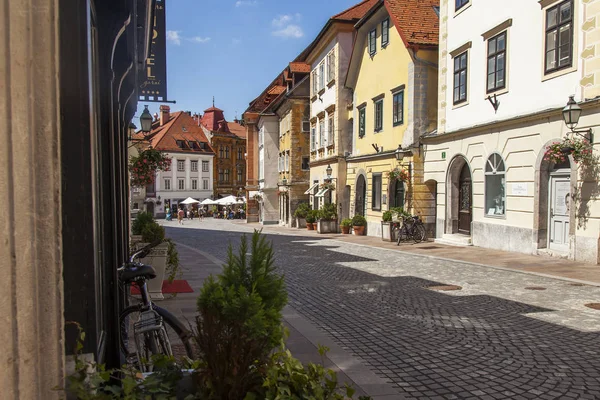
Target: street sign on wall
<point>153,82</point>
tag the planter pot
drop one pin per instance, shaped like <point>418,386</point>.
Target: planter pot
<point>158,260</point>
<point>359,230</point>
<point>345,229</point>
<point>387,232</point>
<point>301,223</point>
<point>310,226</point>
<point>136,239</point>
<point>324,226</point>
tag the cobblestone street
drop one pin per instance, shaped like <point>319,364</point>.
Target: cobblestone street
<point>504,334</point>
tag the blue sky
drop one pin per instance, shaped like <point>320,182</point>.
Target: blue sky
<point>232,49</point>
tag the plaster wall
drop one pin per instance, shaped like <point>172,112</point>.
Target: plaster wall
<point>528,89</point>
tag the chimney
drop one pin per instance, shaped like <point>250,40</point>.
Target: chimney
<point>164,114</point>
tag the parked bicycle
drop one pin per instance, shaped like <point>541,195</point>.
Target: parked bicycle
<point>410,228</point>
<point>147,329</point>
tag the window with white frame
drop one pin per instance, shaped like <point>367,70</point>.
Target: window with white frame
<point>194,166</point>
<point>330,130</point>
<point>559,37</point>
<point>331,66</point>
<point>315,83</point>
<point>194,184</point>
<point>205,184</point>
<point>385,32</point>
<point>321,75</point>
<point>180,165</point>
<point>204,166</point>
<point>496,63</point>
<point>458,4</point>
<point>378,115</point>
<point>460,78</point>
<point>167,184</point>
<point>181,184</point>
<point>313,138</point>
<point>321,133</point>
<point>495,182</point>
<point>372,42</point>
<point>279,163</point>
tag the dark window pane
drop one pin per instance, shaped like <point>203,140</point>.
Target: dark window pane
<point>463,61</point>
<point>501,42</point>
<point>491,46</point>
<point>456,63</point>
<point>551,19</point>
<point>565,12</point>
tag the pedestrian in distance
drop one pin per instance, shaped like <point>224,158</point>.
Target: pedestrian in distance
<point>180,215</point>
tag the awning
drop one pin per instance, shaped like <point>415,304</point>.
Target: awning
<point>322,192</point>
<point>310,189</point>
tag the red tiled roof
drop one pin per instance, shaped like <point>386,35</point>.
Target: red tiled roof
<point>277,90</point>
<point>213,108</point>
<point>357,11</point>
<point>416,21</point>
<point>165,137</point>
<point>299,67</point>
<point>237,129</point>
<point>211,119</point>
<point>274,89</point>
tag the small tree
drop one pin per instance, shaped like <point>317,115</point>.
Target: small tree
<point>239,320</point>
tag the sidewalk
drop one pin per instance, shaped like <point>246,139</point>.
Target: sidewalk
<point>304,336</point>
<point>536,265</point>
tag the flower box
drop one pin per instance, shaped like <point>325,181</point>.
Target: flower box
<point>327,226</point>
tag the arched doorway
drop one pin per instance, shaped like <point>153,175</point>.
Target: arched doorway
<point>361,194</point>
<point>459,197</point>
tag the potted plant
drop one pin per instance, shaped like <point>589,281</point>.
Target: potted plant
<point>300,214</point>
<point>358,224</point>
<point>163,258</point>
<point>387,226</point>
<point>143,167</point>
<point>579,148</point>
<point>311,218</point>
<point>141,220</point>
<point>400,174</point>
<point>327,222</point>
<point>345,225</point>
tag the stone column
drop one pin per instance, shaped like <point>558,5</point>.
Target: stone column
<point>31,301</point>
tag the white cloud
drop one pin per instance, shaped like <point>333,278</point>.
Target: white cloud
<point>293,31</point>
<point>199,39</point>
<point>281,20</point>
<point>240,3</point>
<point>173,36</point>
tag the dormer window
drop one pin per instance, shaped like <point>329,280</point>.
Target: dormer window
<point>180,144</point>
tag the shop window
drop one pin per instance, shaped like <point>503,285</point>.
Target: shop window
<point>495,183</point>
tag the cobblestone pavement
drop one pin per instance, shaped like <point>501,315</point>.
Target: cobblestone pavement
<point>494,339</point>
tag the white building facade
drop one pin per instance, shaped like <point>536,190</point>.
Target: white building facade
<point>268,174</point>
<point>190,175</point>
<point>505,73</point>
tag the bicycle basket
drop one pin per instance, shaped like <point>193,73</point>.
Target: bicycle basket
<point>149,321</point>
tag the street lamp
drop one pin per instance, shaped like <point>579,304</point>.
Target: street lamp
<point>399,153</point>
<point>146,120</point>
<point>328,171</point>
<point>284,181</point>
<point>571,114</point>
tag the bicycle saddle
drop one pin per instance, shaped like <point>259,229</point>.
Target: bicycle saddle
<point>135,271</point>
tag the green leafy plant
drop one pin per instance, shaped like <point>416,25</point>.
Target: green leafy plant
<point>328,212</point>
<point>239,321</point>
<point>140,221</point>
<point>173,270</point>
<point>302,210</point>
<point>359,220</point>
<point>143,167</point>
<point>580,149</point>
<point>398,213</point>
<point>346,223</point>
<point>153,232</point>
<point>387,216</point>
<point>311,216</point>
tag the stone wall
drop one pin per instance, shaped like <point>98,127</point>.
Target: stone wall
<point>590,81</point>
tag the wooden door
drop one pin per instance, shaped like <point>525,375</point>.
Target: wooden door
<point>361,194</point>
<point>464,201</point>
<point>560,189</point>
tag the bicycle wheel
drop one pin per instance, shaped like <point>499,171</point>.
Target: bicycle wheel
<point>418,233</point>
<point>138,346</point>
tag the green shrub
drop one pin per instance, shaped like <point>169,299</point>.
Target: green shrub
<point>328,212</point>
<point>399,212</point>
<point>153,232</point>
<point>346,222</point>
<point>311,216</point>
<point>387,216</point>
<point>239,321</point>
<point>143,218</point>
<point>359,220</point>
<point>302,210</point>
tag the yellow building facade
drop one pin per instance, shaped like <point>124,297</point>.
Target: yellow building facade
<point>394,104</point>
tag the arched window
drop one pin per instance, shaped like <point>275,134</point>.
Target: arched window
<point>495,186</point>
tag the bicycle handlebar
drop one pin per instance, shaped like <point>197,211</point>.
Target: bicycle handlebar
<point>143,252</point>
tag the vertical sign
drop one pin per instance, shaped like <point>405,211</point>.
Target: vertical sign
<point>153,86</point>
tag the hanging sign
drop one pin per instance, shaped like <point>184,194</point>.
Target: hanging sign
<point>153,85</point>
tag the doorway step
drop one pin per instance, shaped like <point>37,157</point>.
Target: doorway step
<point>455,239</point>
<point>552,253</point>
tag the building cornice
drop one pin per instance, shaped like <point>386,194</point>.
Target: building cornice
<point>375,156</point>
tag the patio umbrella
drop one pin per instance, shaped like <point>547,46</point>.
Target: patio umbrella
<point>207,202</point>
<point>189,200</point>
<point>226,201</point>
